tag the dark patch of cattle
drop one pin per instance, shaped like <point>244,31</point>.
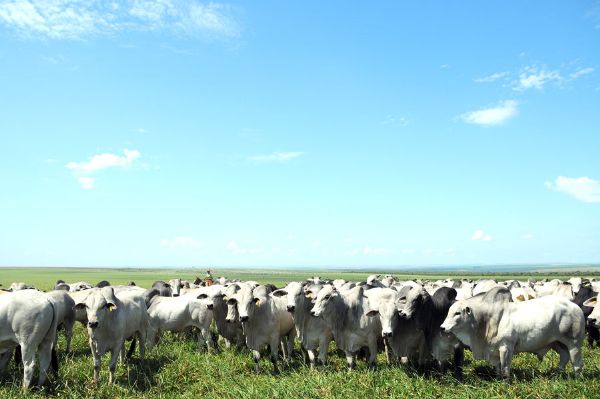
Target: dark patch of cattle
<point>102,284</point>
<point>62,286</point>
<point>163,288</point>
<point>586,292</point>
<point>198,281</point>
<point>131,284</point>
<point>429,315</point>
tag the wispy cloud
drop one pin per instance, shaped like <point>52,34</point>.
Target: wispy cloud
<point>582,188</point>
<point>395,120</point>
<point>527,236</point>
<point>83,170</point>
<point>492,78</point>
<point>181,242</point>
<point>103,161</point>
<point>79,19</point>
<point>580,72</point>
<point>276,157</point>
<point>534,77</point>
<point>237,249</point>
<point>493,115</point>
<point>479,235</point>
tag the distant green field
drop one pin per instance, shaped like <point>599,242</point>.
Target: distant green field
<point>45,278</point>
<point>176,369</point>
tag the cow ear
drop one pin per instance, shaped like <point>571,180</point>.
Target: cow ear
<point>257,301</point>
<point>372,313</point>
<point>79,306</point>
<point>530,296</point>
<point>468,310</point>
<point>591,302</point>
<point>308,295</point>
<point>111,307</point>
<point>230,301</point>
<point>202,296</point>
<point>279,293</point>
<point>520,298</point>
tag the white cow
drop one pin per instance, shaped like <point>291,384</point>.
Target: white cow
<point>28,318</point>
<point>266,322</point>
<point>178,313</point>
<point>313,332</point>
<point>495,328</point>
<point>111,320</point>
<point>345,313</point>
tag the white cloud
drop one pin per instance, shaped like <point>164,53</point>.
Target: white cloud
<point>582,188</point>
<point>491,78</point>
<point>479,235</point>
<point>493,115</point>
<point>181,242</point>
<point>527,236</point>
<point>87,183</point>
<point>276,157</point>
<point>533,77</point>
<point>78,19</point>
<point>580,72</point>
<point>103,161</point>
<point>83,170</point>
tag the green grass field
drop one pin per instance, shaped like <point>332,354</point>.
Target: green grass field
<point>177,369</point>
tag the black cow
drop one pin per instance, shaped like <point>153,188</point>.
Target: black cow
<point>429,312</point>
<point>586,292</point>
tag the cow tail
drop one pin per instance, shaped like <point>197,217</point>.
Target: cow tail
<point>51,335</point>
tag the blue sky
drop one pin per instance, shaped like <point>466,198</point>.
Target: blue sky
<point>187,133</point>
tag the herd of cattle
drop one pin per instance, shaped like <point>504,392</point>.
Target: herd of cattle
<point>424,323</point>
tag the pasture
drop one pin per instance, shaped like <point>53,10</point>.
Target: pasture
<point>176,369</point>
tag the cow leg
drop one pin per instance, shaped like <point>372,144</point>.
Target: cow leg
<point>373,352</point>
<point>5,358</point>
<point>291,338</point>
<point>201,340</point>
<point>28,356</point>
<point>69,334</point>
<point>351,360</point>
<point>97,362</point>
<point>563,353</point>
<point>256,356</point>
<point>459,357</point>
<point>123,353</point>
<point>112,365</point>
<point>386,345</point>
<point>311,358</point>
<point>142,344</point>
<point>274,355</point>
<point>576,359</point>
<point>323,348</point>
<point>284,352</point>
<point>227,343</point>
<point>45,353</point>
<point>505,360</point>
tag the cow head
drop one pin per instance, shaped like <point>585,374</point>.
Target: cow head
<point>248,300</point>
<point>415,298</point>
<point>176,286</point>
<point>460,316</point>
<point>323,301</point>
<point>99,307</point>
<point>291,291</point>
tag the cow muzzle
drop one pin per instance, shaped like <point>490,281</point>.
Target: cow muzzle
<point>313,313</point>
<point>386,334</point>
<point>243,318</point>
<point>291,308</point>
<point>92,324</point>
<point>210,306</point>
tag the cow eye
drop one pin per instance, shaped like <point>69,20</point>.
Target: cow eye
<point>457,314</point>
<point>326,297</point>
